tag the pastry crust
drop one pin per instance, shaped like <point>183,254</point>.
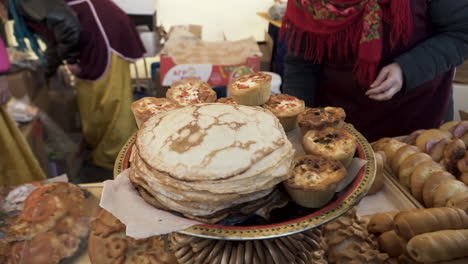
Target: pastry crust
<point>191,91</point>
<point>313,179</point>
<point>333,143</point>
<point>146,107</point>
<point>251,89</point>
<point>318,118</point>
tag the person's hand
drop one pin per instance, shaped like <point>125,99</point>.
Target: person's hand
<point>387,84</point>
<point>74,69</point>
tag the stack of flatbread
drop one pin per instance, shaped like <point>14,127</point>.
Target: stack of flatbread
<point>208,161</point>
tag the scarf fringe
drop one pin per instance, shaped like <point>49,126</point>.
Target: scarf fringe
<point>399,16</point>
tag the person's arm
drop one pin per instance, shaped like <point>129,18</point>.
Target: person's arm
<point>61,20</point>
<point>300,78</point>
<point>447,48</point>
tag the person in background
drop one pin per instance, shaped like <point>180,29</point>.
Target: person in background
<point>97,41</point>
<point>17,162</point>
<point>388,63</point>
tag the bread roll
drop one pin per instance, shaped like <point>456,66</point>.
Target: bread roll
<point>456,199</point>
<point>381,143</point>
<point>411,223</point>
<point>431,185</point>
<point>448,190</point>
<point>392,244</point>
<point>420,175</point>
<point>463,205</point>
<point>380,223</point>
<point>400,156</point>
<point>449,125</point>
<point>454,151</point>
<point>378,183</point>
<point>439,246</point>
<point>409,165</point>
<point>464,178</point>
<point>431,134</point>
<point>392,147</point>
<point>462,164</point>
<point>437,151</point>
<point>411,139</point>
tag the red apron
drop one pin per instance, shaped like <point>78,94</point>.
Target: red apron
<point>423,107</point>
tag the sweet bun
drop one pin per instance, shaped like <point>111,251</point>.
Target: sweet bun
<point>392,147</point>
<point>400,156</point>
<point>431,185</point>
<point>420,175</point>
<point>448,190</point>
<point>449,125</point>
<point>437,150</point>
<point>411,139</point>
<point>454,151</point>
<point>409,165</point>
<point>431,134</point>
<point>391,243</point>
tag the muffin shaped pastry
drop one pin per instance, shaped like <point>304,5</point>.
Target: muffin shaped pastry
<point>251,89</point>
<point>226,100</point>
<point>146,107</point>
<point>333,143</point>
<point>286,108</point>
<point>313,180</point>
<point>191,91</point>
<point>317,118</point>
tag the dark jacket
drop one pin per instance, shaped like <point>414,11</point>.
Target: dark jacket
<point>447,48</point>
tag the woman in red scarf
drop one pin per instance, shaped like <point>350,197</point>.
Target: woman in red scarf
<point>388,63</point>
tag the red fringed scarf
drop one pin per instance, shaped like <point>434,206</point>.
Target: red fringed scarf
<point>337,27</point>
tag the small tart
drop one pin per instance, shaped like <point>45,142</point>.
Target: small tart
<point>191,91</point>
<point>333,143</point>
<point>251,89</point>
<point>313,180</point>
<point>226,100</point>
<point>317,118</point>
<point>286,108</point>
<point>146,107</point>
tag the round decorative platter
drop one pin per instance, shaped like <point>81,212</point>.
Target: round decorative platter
<point>342,202</point>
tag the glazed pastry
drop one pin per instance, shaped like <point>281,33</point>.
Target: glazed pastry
<point>191,91</point>
<point>448,190</point>
<point>286,108</point>
<point>146,107</point>
<point>333,143</point>
<point>431,134</point>
<point>318,118</point>
<point>420,175</point>
<point>431,185</point>
<point>411,223</point>
<point>392,244</point>
<point>313,180</point>
<point>398,158</point>
<point>251,89</point>
<point>378,183</point>
<point>409,165</point>
<point>439,246</point>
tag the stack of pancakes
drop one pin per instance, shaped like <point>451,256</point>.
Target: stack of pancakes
<point>211,160</point>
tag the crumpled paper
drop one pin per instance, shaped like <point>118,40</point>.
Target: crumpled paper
<point>142,220</point>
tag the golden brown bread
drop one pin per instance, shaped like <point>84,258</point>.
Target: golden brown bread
<point>448,190</point>
<point>449,125</point>
<point>381,143</point>
<point>462,164</point>
<point>437,151</point>
<point>392,147</point>
<point>411,223</point>
<point>464,178</point>
<point>431,134</point>
<point>463,205</point>
<point>454,151</point>
<point>420,175</point>
<point>411,138</point>
<point>457,199</point>
<point>439,246</point>
<point>392,244</point>
<point>380,223</point>
<point>409,165</point>
<point>378,183</point>
<point>400,156</point>
<point>431,185</point>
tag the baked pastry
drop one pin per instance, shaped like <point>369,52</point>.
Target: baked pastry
<point>392,244</point>
<point>251,89</point>
<point>191,91</point>
<point>420,175</point>
<point>409,165</point>
<point>313,179</point>
<point>226,100</point>
<point>457,199</point>
<point>146,107</point>
<point>381,223</point>
<point>449,126</point>
<point>378,183</point>
<point>392,147</point>
<point>380,144</point>
<point>436,151</point>
<point>318,118</point>
<point>286,108</point>
<point>458,203</point>
<point>411,223</point>
<point>431,134</point>
<point>333,143</point>
<point>439,246</point>
<point>431,185</point>
<point>448,190</point>
<point>108,244</point>
<point>411,138</point>
<point>453,152</point>
<point>399,156</point>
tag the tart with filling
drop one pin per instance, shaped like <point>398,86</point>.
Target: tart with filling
<point>286,108</point>
<point>191,91</point>
<point>317,118</point>
<point>146,107</point>
<point>251,89</point>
